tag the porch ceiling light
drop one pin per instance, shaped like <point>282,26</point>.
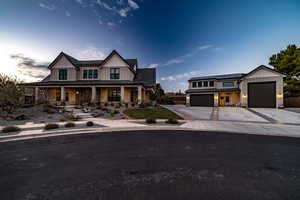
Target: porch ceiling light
<point>77,92</point>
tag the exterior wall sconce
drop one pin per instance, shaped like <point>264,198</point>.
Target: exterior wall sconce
<point>279,95</point>
<point>77,92</point>
<point>216,97</point>
<point>244,96</point>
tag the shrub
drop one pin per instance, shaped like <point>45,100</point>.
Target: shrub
<point>133,105</point>
<point>51,126</point>
<point>172,121</point>
<point>62,119</point>
<point>8,129</point>
<point>70,124</point>
<point>150,120</point>
<point>106,104</point>
<point>126,105</point>
<point>71,116</point>
<point>112,104</point>
<point>112,114</point>
<point>90,123</point>
<point>115,111</point>
<point>142,105</point>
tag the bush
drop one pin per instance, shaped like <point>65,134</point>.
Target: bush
<point>71,117</point>
<point>142,105</point>
<point>133,105</point>
<point>172,121</point>
<point>115,111</point>
<point>51,126</point>
<point>90,123</point>
<point>70,124</point>
<point>62,119</point>
<point>8,129</point>
<point>150,120</point>
<point>112,104</point>
<point>106,104</point>
<point>126,105</point>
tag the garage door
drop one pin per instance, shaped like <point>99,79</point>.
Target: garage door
<point>202,100</point>
<point>262,95</point>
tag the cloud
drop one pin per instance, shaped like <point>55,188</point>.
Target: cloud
<point>124,12</point>
<point>133,5</point>
<point>120,2</point>
<point>30,67</point>
<point>180,76</point>
<point>79,1</point>
<point>154,65</point>
<point>111,24</point>
<point>68,14</point>
<point>90,53</point>
<point>181,59</point>
<point>46,6</point>
<point>100,21</point>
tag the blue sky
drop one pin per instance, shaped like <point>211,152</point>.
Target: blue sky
<point>180,38</point>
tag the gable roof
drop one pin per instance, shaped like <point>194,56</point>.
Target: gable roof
<point>84,63</point>
<point>265,68</point>
<point>218,77</point>
<point>129,62</point>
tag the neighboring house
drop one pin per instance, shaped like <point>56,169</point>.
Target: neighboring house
<point>262,87</point>
<point>176,98</point>
<point>113,79</point>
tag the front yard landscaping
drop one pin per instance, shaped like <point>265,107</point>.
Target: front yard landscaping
<point>150,112</point>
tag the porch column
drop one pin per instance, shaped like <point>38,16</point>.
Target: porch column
<point>36,95</point>
<point>139,94</point>
<point>93,100</point>
<point>62,94</point>
<point>122,94</point>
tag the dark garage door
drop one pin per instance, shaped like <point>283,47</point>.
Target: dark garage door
<point>262,95</point>
<point>202,100</point>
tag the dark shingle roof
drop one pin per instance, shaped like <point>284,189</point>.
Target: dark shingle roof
<point>217,77</point>
<point>147,76</point>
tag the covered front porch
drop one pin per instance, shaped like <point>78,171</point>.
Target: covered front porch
<point>80,95</point>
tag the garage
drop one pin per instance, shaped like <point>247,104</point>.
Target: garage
<point>262,95</point>
<point>202,100</point>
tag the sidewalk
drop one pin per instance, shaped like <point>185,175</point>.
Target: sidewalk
<point>104,125</point>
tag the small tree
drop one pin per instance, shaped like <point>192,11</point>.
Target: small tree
<point>11,93</point>
<point>158,93</point>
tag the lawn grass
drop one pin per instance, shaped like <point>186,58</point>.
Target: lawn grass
<point>155,113</point>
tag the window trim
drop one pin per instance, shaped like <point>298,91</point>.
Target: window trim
<point>90,74</point>
<point>224,83</point>
<point>63,74</point>
<point>114,73</point>
<point>114,94</point>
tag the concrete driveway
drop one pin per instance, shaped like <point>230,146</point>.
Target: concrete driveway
<point>191,113</point>
<point>279,115</point>
<point>238,114</point>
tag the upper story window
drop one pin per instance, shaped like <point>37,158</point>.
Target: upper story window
<point>211,83</point>
<point>90,74</point>
<point>63,74</point>
<point>205,83</point>
<point>200,84</point>
<point>114,73</point>
<point>228,84</point>
<point>194,84</point>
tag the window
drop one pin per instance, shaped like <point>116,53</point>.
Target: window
<point>227,99</point>
<point>228,84</point>
<point>90,74</point>
<point>199,84</point>
<point>211,83</point>
<point>205,84</point>
<point>114,94</point>
<point>194,84</point>
<point>58,94</point>
<point>63,74</point>
<point>115,73</point>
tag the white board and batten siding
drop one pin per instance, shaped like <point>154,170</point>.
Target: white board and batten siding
<point>116,62</point>
<point>63,63</point>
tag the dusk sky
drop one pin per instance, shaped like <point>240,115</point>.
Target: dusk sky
<point>180,38</point>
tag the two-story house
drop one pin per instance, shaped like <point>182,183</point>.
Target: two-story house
<point>113,79</point>
<point>262,87</point>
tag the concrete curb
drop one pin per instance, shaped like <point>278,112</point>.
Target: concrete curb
<point>89,130</point>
